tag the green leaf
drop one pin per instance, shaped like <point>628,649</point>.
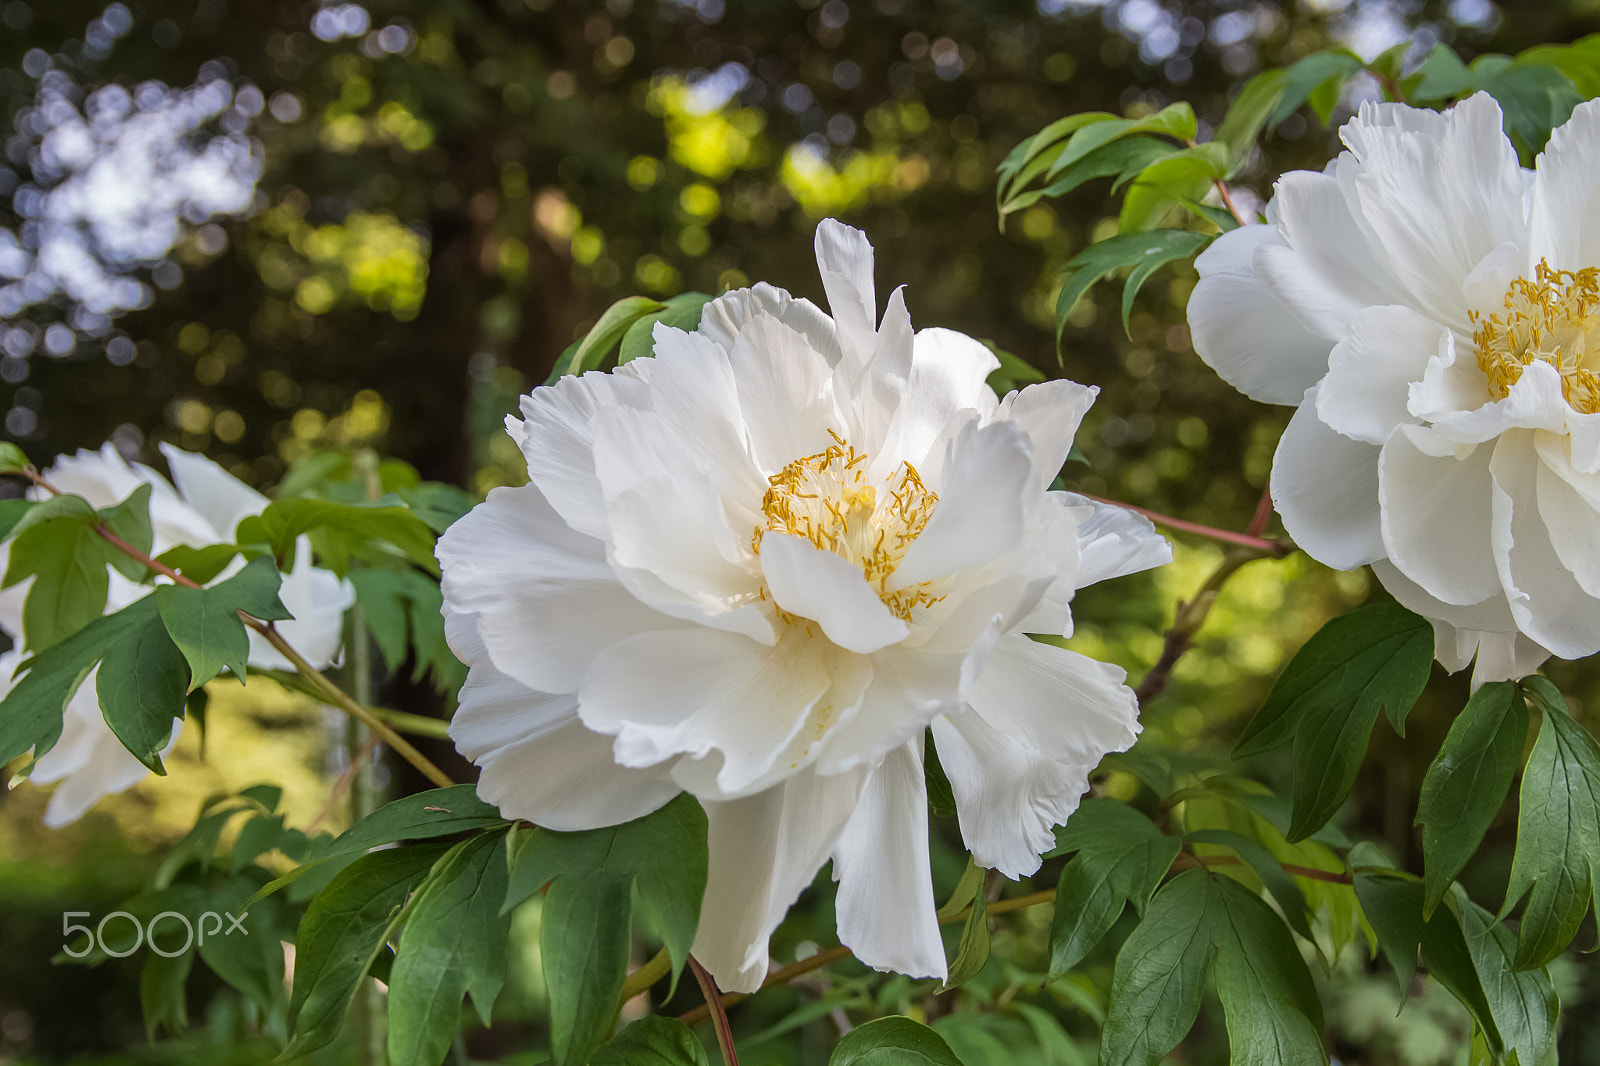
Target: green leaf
<point>1467,783</point>
<point>941,797</point>
<point>1271,1006</point>
<point>1035,155</point>
<point>1248,113</point>
<point>653,1041</point>
<point>342,531</point>
<point>1290,899</point>
<point>1121,858</point>
<point>1121,157</point>
<point>1114,253</point>
<point>1524,1004</point>
<point>1185,175</point>
<point>12,459</point>
<point>205,623</point>
<point>1579,61</point>
<point>163,984</point>
<point>341,932</point>
<point>680,312</point>
<point>584,933</point>
<point>893,1041</point>
<point>435,813</point>
<point>1534,99</point>
<point>67,560</point>
<point>1442,76</point>
<point>605,334</point>
<point>143,686</point>
<point>1317,70</point>
<point>1175,120</point>
<point>402,611</point>
<point>965,892</point>
<point>453,943</point>
<point>201,565</point>
<point>130,520</point>
<point>972,951</point>
<point>1558,831</point>
<point>438,504</point>
<point>1327,700</point>
<point>1160,975</point>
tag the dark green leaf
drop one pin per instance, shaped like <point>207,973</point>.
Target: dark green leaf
<point>1328,698</point>
<point>941,797</point>
<point>972,951</point>
<point>1300,80</point>
<point>454,943</point>
<point>1468,781</point>
<point>1031,157</point>
<point>1122,157</point>
<point>1114,253</point>
<point>438,504</point>
<point>1271,1006</point>
<point>1121,858</point>
<point>1290,899</point>
<point>653,1041</point>
<point>1442,76</point>
<point>1534,99</point>
<point>143,684</point>
<point>342,531</point>
<point>893,1041</point>
<point>680,312</point>
<point>435,813</point>
<point>163,983</point>
<point>130,520</point>
<point>1558,831</point>
<point>1248,113</point>
<point>1160,975</point>
<point>205,623</point>
<point>65,506</point>
<point>340,933</point>
<point>965,892</point>
<point>1524,1004</point>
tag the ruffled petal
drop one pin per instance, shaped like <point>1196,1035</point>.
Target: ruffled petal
<point>1569,504</point>
<point>545,598</point>
<point>1243,331</point>
<point>845,258</point>
<point>1535,401</point>
<point>786,390</point>
<point>698,691</point>
<point>1566,197</point>
<point>1114,542</point>
<point>1546,601</point>
<point>1436,505</point>
<point>723,318</point>
<point>981,512</point>
<point>1325,486</point>
<point>1370,371</point>
<point>816,584</point>
<point>765,850</point>
<point>948,371</point>
<point>219,497</point>
<point>909,689</point>
<point>885,903</point>
<point>1050,412</point>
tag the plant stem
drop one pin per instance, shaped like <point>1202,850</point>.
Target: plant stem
<point>641,979</point>
<point>361,743</point>
<point>1260,545</point>
<point>1187,620</point>
<point>719,1015</point>
<point>329,691</point>
<point>1263,515</point>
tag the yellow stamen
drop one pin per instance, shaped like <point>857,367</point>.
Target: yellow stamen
<point>1553,319</point>
<point>825,498</point>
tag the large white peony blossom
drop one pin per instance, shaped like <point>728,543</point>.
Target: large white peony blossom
<point>760,566</point>
<point>1434,309</point>
<point>89,762</point>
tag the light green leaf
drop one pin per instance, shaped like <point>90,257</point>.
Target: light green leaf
<point>1467,783</point>
<point>1248,113</point>
<point>1114,253</point>
<point>893,1041</point>
<point>1163,185</point>
<point>680,312</point>
<point>965,892</point>
<point>341,532</point>
<point>340,933</point>
<point>1442,76</point>
<point>66,506</point>
<point>143,684</point>
<point>435,813</point>
<point>1121,157</point>
<point>1327,700</point>
<point>1034,156</point>
<point>653,1041</point>
<point>1558,831</point>
<point>437,504</point>
<point>605,334</point>
<point>12,459</point>
<point>1319,69</point>
<point>67,560</point>
<point>453,943</point>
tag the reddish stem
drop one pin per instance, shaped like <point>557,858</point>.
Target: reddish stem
<point>719,1013</point>
<point>1279,547</point>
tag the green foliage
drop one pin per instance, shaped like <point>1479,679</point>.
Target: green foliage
<point>1327,700</point>
<point>590,351</point>
<point>422,816</point>
<point>1121,858</point>
<point>453,943</point>
<point>593,879</point>
<point>341,532</point>
<point>653,1041</point>
<point>893,1041</point>
<point>680,312</point>
<point>205,625</point>
<point>1558,831</point>
<point>1272,1011</point>
<point>1146,252</point>
<point>402,611</point>
<point>142,685</point>
<point>1468,781</point>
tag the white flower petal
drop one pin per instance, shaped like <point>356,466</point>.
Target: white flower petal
<point>1547,603</point>
<point>1436,515</point>
<point>722,319</point>
<point>317,599</point>
<point>1325,268</point>
<point>981,511</point>
<point>1325,486</point>
<point>1535,401</point>
<point>697,691</point>
<point>1439,198</point>
<point>1571,515</point>
<point>558,441</point>
<point>885,902</point>
<point>1050,412</point>
<point>785,388</point>
<point>695,400</point>
<point>1492,615</point>
<point>845,259</point>
<point>219,497</point>
<point>1371,370</point>
<point>1506,657</point>
<point>1243,331</point>
<point>816,584</point>
<point>545,598</point>
<point>105,478</point>
<point>1041,718</point>
<point>1452,382</point>
<point>909,689</point>
<point>765,850</point>
<point>1114,542</point>
<point>1566,197</point>
<point>948,371</point>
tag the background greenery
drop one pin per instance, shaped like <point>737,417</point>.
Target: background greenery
<point>443,209</point>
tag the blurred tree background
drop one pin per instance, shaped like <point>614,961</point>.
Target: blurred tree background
<point>317,226</point>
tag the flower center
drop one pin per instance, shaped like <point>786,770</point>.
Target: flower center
<point>1554,319</point>
<point>825,498</point>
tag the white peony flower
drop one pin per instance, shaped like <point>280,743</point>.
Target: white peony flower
<point>759,567</point>
<point>1434,309</point>
<point>207,503</point>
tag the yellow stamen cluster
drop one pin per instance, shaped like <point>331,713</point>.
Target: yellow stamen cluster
<point>1555,319</point>
<point>826,499</point>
